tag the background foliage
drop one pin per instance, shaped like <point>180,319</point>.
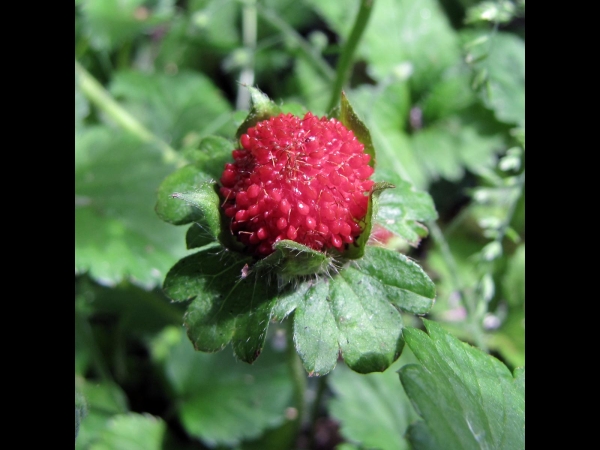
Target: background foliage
<point>440,84</point>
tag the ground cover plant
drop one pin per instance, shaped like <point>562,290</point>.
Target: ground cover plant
<point>299,224</point>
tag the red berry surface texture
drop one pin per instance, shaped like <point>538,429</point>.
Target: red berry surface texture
<point>302,179</point>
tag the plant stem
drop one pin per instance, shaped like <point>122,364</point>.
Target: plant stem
<point>249,38</point>
<point>305,48</point>
<point>344,65</point>
<point>321,386</point>
<point>100,97</point>
<point>298,374</point>
<point>466,299</point>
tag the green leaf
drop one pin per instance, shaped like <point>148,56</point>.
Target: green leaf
<point>372,409</point>
<point>103,400</point>
<point>468,399</point>
<point>416,32</point>
<point>117,233</point>
<point>289,299</point>
<point>226,304</point>
<point>401,209</point>
<point>503,71</point>
<point>315,332</point>
<point>370,327</point>
<point>460,142</point>
<point>174,106</point>
<point>351,121</point>
<point>403,282</point>
<point>132,432</point>
<point>356,313</point>
<point>262,109</point>
<point>219,400</point>
<point>112,22</point>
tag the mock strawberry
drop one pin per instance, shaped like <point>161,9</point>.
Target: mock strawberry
<point>303,179</point>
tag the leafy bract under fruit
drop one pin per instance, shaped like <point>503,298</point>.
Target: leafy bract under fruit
<point>344,297</point>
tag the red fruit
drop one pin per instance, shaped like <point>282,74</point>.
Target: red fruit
<point>301,179</point>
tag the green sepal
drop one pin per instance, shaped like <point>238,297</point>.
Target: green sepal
<point>350,120</point>
<point>291,259</point>
<point>263,108</point>
<point>357,249</point>
<point>185,179</point>
<point>211,155</point>
<point>204,205</point>
<point>198,236</point>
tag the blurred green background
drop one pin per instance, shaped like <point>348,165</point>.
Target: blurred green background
<point>441,86</point>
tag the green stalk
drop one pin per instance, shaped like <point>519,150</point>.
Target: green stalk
<point>249,38</point>
<point>345,63</point>
<point>321,386</point>
<point>311,55</point>
<point>466,299</point>
<point>298,374</point>
<point>100,97</point>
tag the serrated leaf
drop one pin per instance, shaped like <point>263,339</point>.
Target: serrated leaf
<point>117,232</point>
<point>370,327</point>
<point>503,71</point>
<point>468,399</point>
<point>372,409</point>
<point>219,400</point>
<point>401,209</point>
<point>351,121</point>
<point>403,282</point>
<point>356,312</point>
<point>262,109</point>
<point>226,306</point>
<point>132,432</point>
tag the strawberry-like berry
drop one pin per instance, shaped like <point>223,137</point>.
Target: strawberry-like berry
<point>306,180</point>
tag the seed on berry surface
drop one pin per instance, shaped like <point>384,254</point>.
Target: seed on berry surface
<point>281,223</point>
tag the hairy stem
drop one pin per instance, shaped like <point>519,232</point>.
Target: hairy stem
<point>100,97</point>
<point>345,63</point>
